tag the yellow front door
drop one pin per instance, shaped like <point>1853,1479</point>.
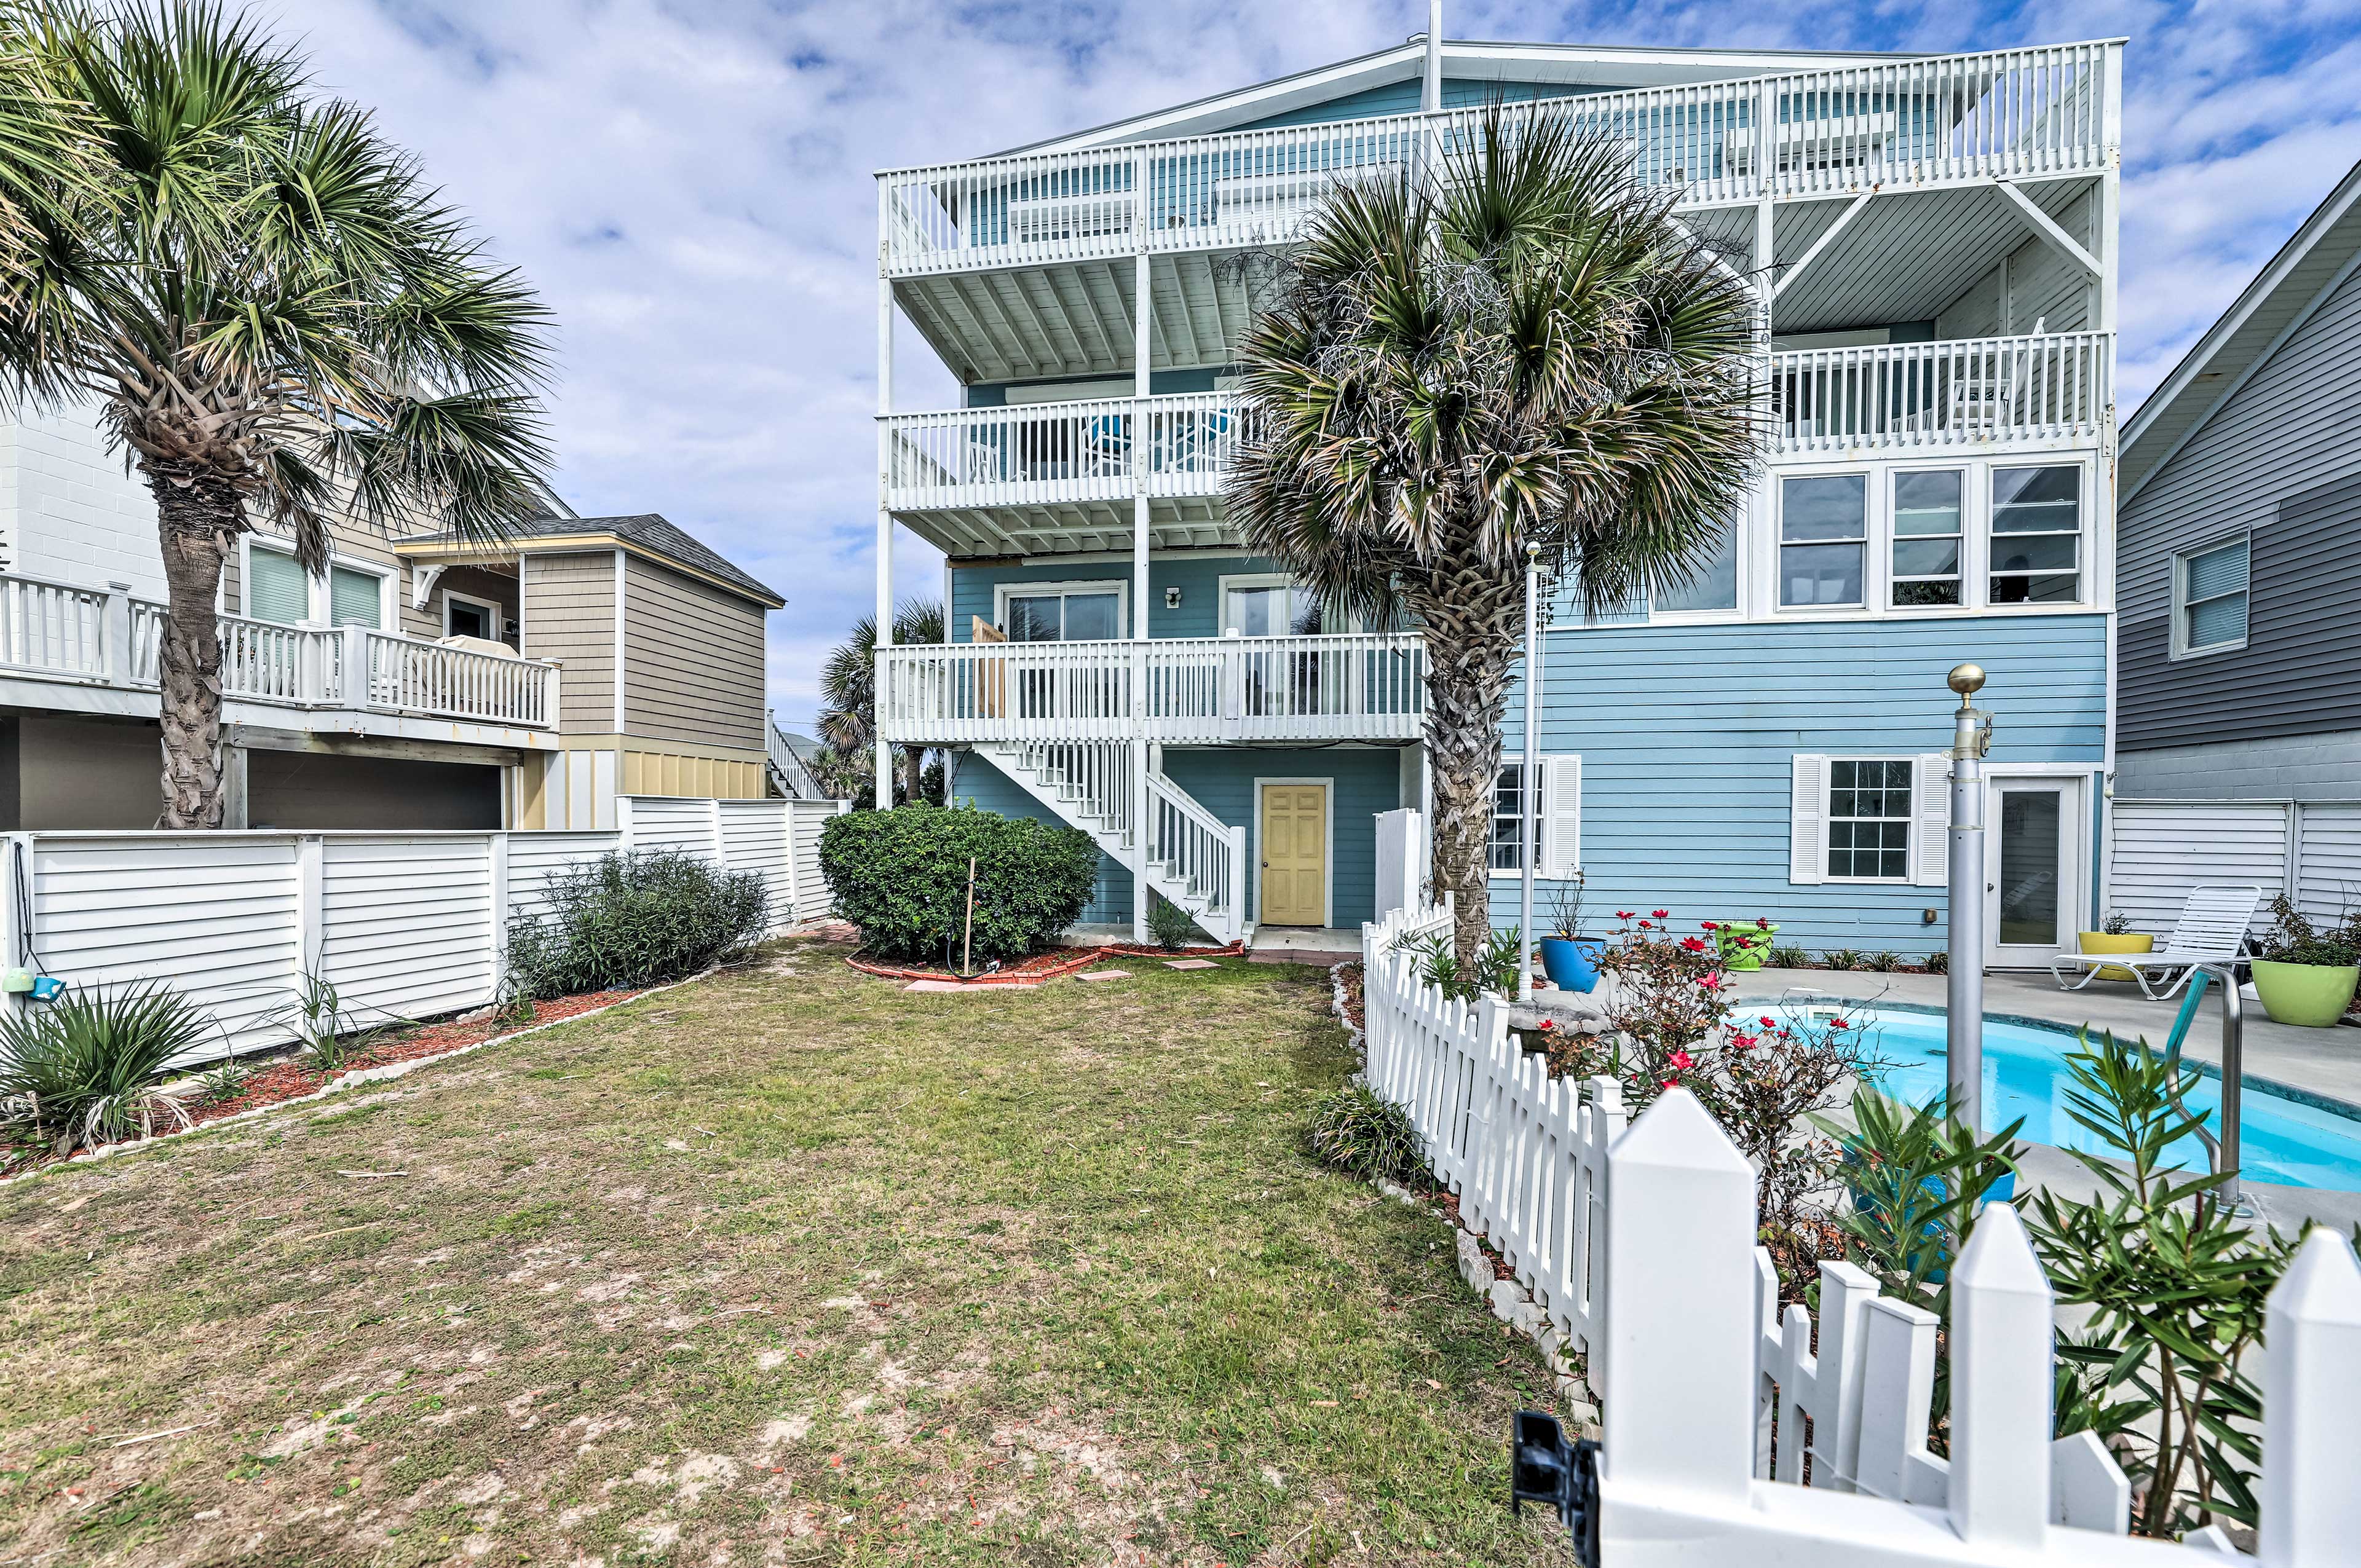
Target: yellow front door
<point>1294,854</point>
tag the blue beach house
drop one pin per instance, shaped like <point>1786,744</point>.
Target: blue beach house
<point>1934,241</point>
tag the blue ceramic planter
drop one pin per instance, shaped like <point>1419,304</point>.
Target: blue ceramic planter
<point>1572,963</point>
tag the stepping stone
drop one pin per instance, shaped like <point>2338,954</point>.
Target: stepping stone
<point>1190,963</point>
<point>939,985</point>
<point>1105,974</point>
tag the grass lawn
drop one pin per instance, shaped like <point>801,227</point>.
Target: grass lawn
<point>787,1265</point>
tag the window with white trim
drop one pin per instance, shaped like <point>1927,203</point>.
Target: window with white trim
<point>2036,535</point>
<point>356,598</point>
<point>1559,828</point>
<point>1823,540</point>
<point>1073,612</point>
<point>2209,598</point>
<point>1927,538</point>
<point>276,587</point>
<point>1869,818</point>
<point>1714,587</point>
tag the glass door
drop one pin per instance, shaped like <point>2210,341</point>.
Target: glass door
<point>2032,870</point>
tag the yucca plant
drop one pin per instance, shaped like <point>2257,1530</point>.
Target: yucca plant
<point>83,1070</point>
<point>1517,348</point>
<point>1358,1130</point>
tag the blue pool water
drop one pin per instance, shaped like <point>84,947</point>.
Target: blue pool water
<point>2284,1140</point>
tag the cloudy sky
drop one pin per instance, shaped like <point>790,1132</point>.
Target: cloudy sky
<point>688,184</point>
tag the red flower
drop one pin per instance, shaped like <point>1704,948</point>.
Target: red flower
<point>1549,1023</point>
<point>1622,914</point>
<point>1762,924</point>
<point>1662,913</point>
<point>1743,1041</point>
<point>1693,944</point>
<point>1838,1024</point>
<point>1707,925</point>
<point>1643,925</point>
<point>1673,1082</point>
<point>1770,1022</point>
<point>1682,1060</point>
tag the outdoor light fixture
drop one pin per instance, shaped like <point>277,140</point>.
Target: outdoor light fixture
<point>1545,1468</point>
<point>1172,598</point>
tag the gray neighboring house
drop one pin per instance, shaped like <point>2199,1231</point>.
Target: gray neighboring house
<point>2238,576</point>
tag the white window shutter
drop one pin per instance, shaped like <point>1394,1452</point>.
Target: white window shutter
<point>1561,816</point>
<point>1931,802</point>
<point>1807,829</point>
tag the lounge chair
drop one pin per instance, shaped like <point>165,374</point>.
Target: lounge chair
<point>2212,930</point>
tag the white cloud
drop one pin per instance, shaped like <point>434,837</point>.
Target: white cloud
<point>689,187</point>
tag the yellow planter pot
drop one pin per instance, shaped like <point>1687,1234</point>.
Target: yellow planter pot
<point>2106,942</point>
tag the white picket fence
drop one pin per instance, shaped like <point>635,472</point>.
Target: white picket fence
<point>1639,1245</point>
<point>1525,1153</point>
<point>404,924</point>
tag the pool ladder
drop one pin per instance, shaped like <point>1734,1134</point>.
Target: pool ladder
<point>2225,1152</point>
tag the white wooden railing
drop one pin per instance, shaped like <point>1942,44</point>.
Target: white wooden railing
<point>1197,849</point>
<point>60,631</point>
<point>1963,392</point>
<point>1355,685</point>
<point>1037,454</point>
<point>2029,113</point>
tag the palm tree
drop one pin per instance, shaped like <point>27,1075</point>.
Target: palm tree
<point>273,312</point>
<point>1520,347</point>
<point>848,687</point>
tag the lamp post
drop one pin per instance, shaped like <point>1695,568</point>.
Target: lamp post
<point>1964,1055</point>
<point>1529,783</point>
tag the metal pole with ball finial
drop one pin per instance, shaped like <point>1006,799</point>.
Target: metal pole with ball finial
<point>1970,739</point>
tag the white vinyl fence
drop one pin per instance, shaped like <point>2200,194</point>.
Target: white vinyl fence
<point>1525,1153</point>
<point>2159,850</point>
<point>405,925</point>
<point>1734,1435</point>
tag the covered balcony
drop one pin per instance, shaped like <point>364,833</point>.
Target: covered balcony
<point>1171,691</point>
<point>81,643</point>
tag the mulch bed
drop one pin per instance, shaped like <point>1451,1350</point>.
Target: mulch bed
<point>1036,969</point>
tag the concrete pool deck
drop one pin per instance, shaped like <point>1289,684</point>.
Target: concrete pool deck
<point>2322,1061</point>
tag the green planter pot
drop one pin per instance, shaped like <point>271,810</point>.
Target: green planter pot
<point>2314,995</point>
<point>1743,945</point>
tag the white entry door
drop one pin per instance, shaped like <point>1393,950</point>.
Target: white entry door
<point>2033,869</point>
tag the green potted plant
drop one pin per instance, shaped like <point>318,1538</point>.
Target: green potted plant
<point>2305,976</point>
<point>1742,944</point>
<point>1569,957</point>
<point>2115,935</point>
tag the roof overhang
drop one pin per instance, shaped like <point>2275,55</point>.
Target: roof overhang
<point>1578,65</point>
<point>458,552</point>
<point>2318,258</point>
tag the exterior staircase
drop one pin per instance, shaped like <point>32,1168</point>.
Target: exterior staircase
<point>1194,859</point>
<point>783,770</point>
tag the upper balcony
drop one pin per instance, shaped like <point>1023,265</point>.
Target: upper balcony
<point>94,650</point>
<point>1046,476</point>
<point>2033,115</point>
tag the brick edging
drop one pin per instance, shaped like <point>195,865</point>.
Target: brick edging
<point>1083,959</point>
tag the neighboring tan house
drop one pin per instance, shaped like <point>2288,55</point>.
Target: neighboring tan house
<point>2239,562</point>
<point>416,682</point>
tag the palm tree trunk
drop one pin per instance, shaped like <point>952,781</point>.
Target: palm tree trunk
<point>196,523</point>
<point>1469,626</point>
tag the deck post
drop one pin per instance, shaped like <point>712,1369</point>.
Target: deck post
<point>1141,439</point>
<point>884,638</point>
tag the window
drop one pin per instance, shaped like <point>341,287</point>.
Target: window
<point>276,587</point>
<point>1560,824</point>
<point>356,598</point>
<point>1823,536</point>
<point>1273,607</point>
<point>1075,613</point>
<point>1925,539</point>
<point>2209,598</point>
<point>466,616</point>
<point>2037,528</point>
<point>1716,584</point>
<point>1869,819</point>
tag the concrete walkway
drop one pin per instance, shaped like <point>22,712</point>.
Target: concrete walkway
<point>2322,1061</point>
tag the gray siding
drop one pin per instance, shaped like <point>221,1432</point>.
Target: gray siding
<point>693,660</point>
<point>569,616</point>
<point>2282,458</point>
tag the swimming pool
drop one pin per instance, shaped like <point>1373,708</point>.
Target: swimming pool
<point>2284,1140</point>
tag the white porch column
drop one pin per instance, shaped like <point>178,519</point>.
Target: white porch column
<point>1140,441</point>
<point>884,527</point>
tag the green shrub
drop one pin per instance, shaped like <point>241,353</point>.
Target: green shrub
<point>1439,965</point>
<point>83,1070</point>
<point>1884,961</point>
<point>1170,924</point>
<point>1841,959</point>
<point>1358,1130</point>
<point>900,876</point>
<point>1938,961</point>
<point>629,920</point>
<point>1788,956</point>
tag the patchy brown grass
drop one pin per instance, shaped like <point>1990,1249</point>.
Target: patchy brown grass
<point>783,1266</point>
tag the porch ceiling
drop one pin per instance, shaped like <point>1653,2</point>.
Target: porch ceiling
<point>1174,523</point>
<point>1907,257</point>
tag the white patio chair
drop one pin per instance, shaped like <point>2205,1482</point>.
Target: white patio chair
<point>2211,930</point>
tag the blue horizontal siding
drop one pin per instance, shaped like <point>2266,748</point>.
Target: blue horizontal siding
<point>1161,383</point>
<point>1686,736</point>
<point>1365,783</point>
